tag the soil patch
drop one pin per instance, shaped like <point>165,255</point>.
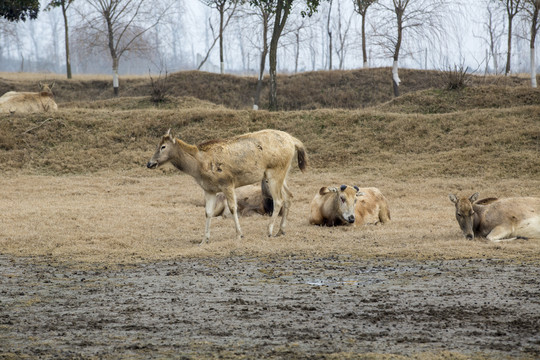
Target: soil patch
<point>249,307</point>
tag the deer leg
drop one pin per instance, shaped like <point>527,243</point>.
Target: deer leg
<point>275,191</point>
<point>500,233</point>
<point>210,202</point>
<point>233,207</point>
<point>286,204</point>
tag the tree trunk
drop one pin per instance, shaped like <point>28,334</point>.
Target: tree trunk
<point>281,14</point>
<point>272,106</point>
<point>329,31</point>
<point>115,77</point>
<point>66,33</point>
<point>364,47</point>
<point>257,94</point>
<point>533,68</point>
<point>112,50</point>
<point>395,76</point>
<point>509,53</point>
<point>221,61</point>
<point>534,29</point>
<point>297,54</point>
<point>262,63</point>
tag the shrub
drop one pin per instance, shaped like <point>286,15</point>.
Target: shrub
<point>457,78</point>
<point>160,88</point>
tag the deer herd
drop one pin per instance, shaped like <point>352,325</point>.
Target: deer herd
<point>247,174</point>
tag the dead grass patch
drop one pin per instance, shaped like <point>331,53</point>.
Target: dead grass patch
<point>115,217</point>
<point>488,142</point>
<point>438,101</point>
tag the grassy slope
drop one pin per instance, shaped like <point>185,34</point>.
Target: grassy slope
<point>484,130</point>
<point>354,89</point>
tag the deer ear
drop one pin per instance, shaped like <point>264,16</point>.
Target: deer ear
<point>343,187</point>
<point>170,136</point>
<point>453,198</point>
<point>474,197</point>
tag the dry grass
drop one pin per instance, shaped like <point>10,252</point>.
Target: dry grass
<point>437,101</point>
<point>146,216</point>
<point>490,142</point>
<point>352,89</point>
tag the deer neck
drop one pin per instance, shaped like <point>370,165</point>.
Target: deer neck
<point>478,216</point>
<point>185,158</point>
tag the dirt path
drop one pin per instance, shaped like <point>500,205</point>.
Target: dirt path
<point>271,308</point>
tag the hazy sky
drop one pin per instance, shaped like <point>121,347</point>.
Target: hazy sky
<point>185,38</point>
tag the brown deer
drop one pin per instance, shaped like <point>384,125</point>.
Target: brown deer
<point>371,208</point>
<point>498,219</point>
<point>29,102</point>
<point>223,165</point>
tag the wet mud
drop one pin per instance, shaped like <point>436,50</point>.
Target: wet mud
<point>269,308</point>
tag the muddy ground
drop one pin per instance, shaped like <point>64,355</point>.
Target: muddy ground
<point>289,307</point>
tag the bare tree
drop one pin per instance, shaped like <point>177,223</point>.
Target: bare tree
<point>512,8</point>
<point>343,26</point>
<point>533,10</point>
<point>420,19</point>
<point>361,7</point>
<point>281,10</point>
<point>224,7</point>
<point>53,55</point>
<point>64,5</point>
<point>329,32</point>
<point>313,48</point>
<point>121,24</point>
<point>491,34</point>
<point>299,28</point>
<point>9,38</point>
<point>491,25</point>
<point>260,28</point>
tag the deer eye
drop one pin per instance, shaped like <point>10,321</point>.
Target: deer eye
<point>163,147</point>
<point>458,214</point>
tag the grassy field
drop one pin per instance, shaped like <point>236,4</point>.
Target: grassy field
<point>74,183</point>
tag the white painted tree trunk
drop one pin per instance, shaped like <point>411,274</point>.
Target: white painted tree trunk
<point>533,69</point>
<point>395,75</point>
<point>366,65</point>
<point>115,82</point>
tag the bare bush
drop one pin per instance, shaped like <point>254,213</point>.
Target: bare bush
<point>160,88</point>
<point>457,78</point>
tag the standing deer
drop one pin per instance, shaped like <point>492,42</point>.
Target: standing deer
<point>223,165</point>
